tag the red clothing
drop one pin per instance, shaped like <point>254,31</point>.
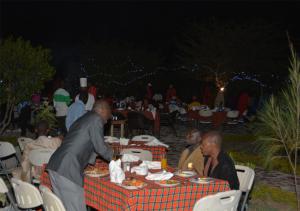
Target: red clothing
<point>93,90</point>
<point>243,103</point>
<point>171,92</point>
<point>149,92</point>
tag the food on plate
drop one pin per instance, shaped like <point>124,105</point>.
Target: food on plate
<point>133,182</point>
<point>168,182</point>
<point>96,170</point>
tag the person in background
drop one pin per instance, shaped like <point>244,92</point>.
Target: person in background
<point>77,109</point>
<point>82,143</point>
<point>42,142</point>
<point>218,164</point>
<point>243,103</point>
<point>24,109</point>
<point>192,155</point>
<point>91,99</point>
<point>171,92</point>
<point>195,104</point>
<point>61,101</point>
<point>149,92</point>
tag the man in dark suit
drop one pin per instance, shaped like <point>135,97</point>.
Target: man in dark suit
<point>66,166</point>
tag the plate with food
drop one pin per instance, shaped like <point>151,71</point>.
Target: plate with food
<point>201,180</point>
<point>133,184</point>
<point>96,172</point>
<point>185,173</point>
<point>168,183</point>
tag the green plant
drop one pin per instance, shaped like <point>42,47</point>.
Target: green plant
<point>46,113</point>
<point>279,126</point>
<point>3,199</point>
<point>23,71</point>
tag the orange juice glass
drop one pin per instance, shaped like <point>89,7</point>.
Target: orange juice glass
<point>164,162</point>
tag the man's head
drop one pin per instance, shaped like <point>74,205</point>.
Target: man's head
<point>83,96</point>
<point>193,137</point>
<point>211,143</point>
<point>102,108</point>
<point>42,128</point>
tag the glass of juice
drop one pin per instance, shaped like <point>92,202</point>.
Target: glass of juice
<point>164,162</point>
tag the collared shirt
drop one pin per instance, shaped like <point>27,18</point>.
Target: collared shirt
<point>225,170</point>
<point>75,111</point>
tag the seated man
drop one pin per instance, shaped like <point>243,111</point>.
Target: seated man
<point>42,141</point>
<point>218,164</point>
<point>77,109</point>
<point>192,155</point>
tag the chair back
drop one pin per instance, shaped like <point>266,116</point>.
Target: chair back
<point>205,113</point>
<point>6,149</point>
<point>142,154</point>
<point>246,177</point>
<point>27,195</point>
<point>39,157</point>
<point>224,201</point>
<point>137,120</point>
<point>232,114</point>
<point>51,201</point>
<point>145,138</point>
<point>3,187</point>
<point>22,141</point>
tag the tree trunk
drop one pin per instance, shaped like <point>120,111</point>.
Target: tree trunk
<point>297,190</point>
<point>7,117</point>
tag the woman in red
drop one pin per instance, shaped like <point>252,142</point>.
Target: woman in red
<point>243,103</point>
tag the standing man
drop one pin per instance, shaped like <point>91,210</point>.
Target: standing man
<point>91,99</point>
<point>61,101</point>
<point>66,166</point>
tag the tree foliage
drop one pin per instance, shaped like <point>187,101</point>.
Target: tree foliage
<point>217,50</point>
<point>279,126</point>
<point>23,71</point>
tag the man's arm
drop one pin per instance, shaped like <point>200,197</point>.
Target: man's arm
<point>97,138</point>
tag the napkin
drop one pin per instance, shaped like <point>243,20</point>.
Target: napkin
<point>124,141</point>
<point>156,142</point>
<point>152,164</point>
<point>164,175</point>
<point>142,169</point>
<point>115,171</point>
<point>130,158</point>
<point>110,139</point>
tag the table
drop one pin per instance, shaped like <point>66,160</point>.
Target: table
<point>117,122</point>
<point>147,114</point>
<point>157,151</point>
<point>101,194</point>
<point>217,119</point>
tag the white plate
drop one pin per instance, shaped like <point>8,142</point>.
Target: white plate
<point>96,175</point>
<point>167,185</point>
<point>132,187</point>
<point>201,180</point>
<point>185,173</point>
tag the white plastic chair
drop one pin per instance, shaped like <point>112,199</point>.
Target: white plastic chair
<point>7,150</point>
<point>27,195</point>
<point>246,177</point>
<point>22,141</point>
<point>50,201</point>
<point>143,138</point>
<point>142,154</point>
<point>4,190</point>
<point>232,117</point>
<point>39,157</point>
<point>224,201</point>
<point>205,113</point>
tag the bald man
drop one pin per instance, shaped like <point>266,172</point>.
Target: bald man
<point>192,154</point>
<point>218,164</point>
<point>66,166</point>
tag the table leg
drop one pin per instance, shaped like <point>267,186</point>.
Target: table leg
<point>122,130</point>
<point>112,130</point>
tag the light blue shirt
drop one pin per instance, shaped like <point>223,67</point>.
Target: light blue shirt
<point>75,111</point>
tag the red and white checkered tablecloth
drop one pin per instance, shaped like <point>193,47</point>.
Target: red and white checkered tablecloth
<point>101,194</point>
<point>157,151</point>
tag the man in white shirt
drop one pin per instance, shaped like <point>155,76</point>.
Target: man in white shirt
<point>61,101</point>
<point>91,99</point>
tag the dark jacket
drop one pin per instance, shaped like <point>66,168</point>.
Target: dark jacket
<point>84,139</point>
<point>225,170</point>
